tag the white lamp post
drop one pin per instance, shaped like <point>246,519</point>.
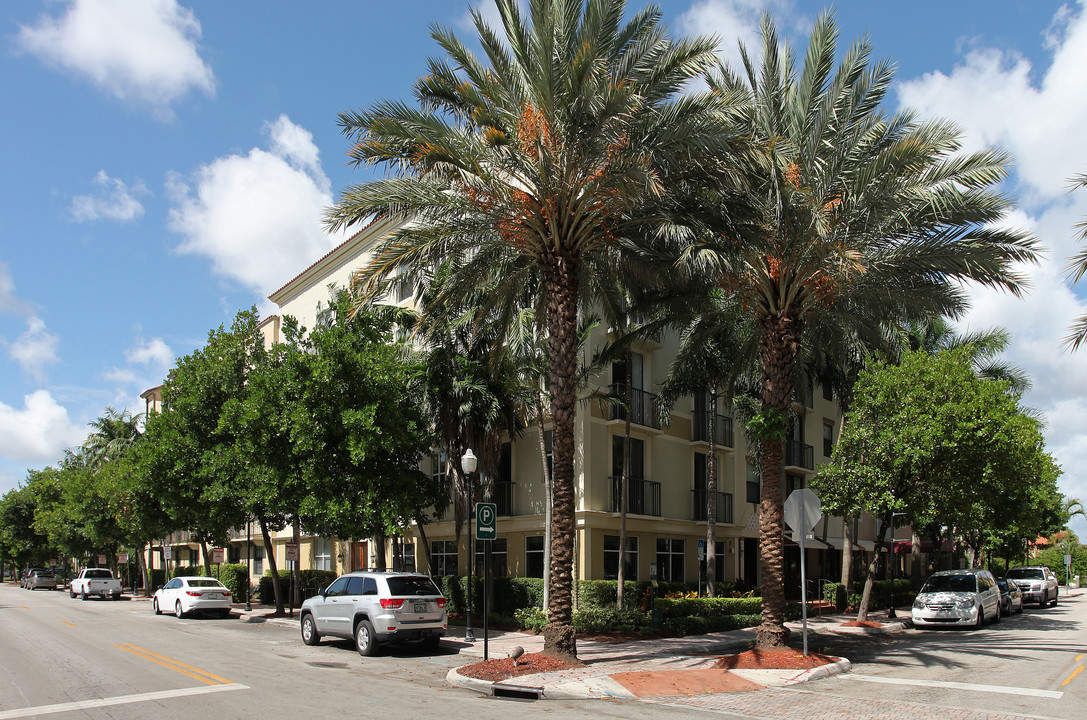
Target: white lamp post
<point>468,463</point>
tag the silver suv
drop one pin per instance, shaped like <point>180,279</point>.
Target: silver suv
<point>375,608</point>
<point>1036,582</point>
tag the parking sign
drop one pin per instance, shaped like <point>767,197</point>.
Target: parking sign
<point>486,521</point>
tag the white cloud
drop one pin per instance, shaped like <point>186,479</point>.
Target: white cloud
<point>737,21</point>
<point>999,98</point>
<point>154,353</point>
<point>136,50</point>
<point>35,348</point>
<point>9,302</point>
<point>114,201</point>
<point>256,216</point>
<point>38,432</point>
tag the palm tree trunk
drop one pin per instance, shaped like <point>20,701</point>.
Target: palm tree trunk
<point>778,352</point>
<point>847,555</point>
<point>560,275</point>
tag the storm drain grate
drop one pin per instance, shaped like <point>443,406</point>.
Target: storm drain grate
<point>516,692</point>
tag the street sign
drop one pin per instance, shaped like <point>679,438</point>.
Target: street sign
<point>122,558</point>
<point>218,555</point>
<point>291,552</point>
<point>802,510</point>
<point>168,553</point>
<point>101,559</point>
<point>486,521</point>
<point>701,549</point>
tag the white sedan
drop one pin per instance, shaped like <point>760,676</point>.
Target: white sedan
<point>192,594</point>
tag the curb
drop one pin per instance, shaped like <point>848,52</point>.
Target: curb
<point>823,671</point>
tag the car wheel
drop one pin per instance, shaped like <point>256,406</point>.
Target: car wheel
<point>71,593</point>
<point>177,609</point>
<point>1054,601</point>
<point>83,594</point>
<point>980,622</point>
<point>310,636</point>
<point>997,614</point>
<point>364,638</point>
<point>155,606</point>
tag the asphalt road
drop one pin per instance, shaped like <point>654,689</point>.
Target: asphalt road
<point>103,659</point>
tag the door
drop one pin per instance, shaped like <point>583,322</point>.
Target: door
<point>325,607</point>
<point>359,558</point>
<point>751,561</point>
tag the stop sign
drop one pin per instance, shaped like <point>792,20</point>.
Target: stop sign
<point>802,510</point>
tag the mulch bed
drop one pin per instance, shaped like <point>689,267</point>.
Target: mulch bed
<point>774,659</point>
<point>862,623</point>
<point>527,664</point>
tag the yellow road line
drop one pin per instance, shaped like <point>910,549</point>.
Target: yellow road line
<point>177,666</point>
<point>1077,671</point>
<point>69,624</point>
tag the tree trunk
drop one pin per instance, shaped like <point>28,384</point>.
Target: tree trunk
<point>296,573</point>
<point>379,555</point>
<point>269,550</point>
<point>560,276</point>
<point>547,498</point>
<point>204,551</point>
<point>915,560</point>
<point>624,484</point>
<point>426,545</point>
<point>847,555</point>
<point>779,348</point>
<point>711,501</point>
<point>866,595</point>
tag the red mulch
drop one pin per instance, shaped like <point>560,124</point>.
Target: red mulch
<point>527,664</point>
<point>862,623</point>
<point>774,659</point>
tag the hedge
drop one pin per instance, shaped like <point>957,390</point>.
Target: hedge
<point>707,607</point>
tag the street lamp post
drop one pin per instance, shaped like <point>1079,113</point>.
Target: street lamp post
<point>248,570</point>
<point>468,464</point>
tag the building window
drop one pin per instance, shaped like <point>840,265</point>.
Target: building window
<point>498,556</point>
<point>443,553</point>
<point>611,558</point>
<point>322,554</point>
<point>671,559</point>
<point>753,491</point>
<point>828,438</point>
<point>534,556</point>
<point>793,482</point>
<point>828,393</point>
<point>404,556</point>
<point>258,560</point>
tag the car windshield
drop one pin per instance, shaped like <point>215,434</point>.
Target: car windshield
<point>413,585</point>
<point>44,573</point>
<point>951,583</point>
<point>205,583</point>
<point>1025,574</point>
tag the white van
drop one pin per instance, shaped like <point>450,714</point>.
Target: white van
<point>957,597</point>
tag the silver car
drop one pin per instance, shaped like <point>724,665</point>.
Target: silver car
<point>1037,583</point>
<point>957,597</point>
<point>41,578</point>
<point>374,608</point>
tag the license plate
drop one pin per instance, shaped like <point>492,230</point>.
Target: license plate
<point>213,596</point>
<point>420,607</point>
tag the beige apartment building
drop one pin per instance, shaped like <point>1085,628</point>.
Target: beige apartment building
<point>666,494</point>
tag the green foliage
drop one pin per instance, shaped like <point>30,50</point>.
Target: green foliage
<point>1053,558</point>
<point>706,607</point>
<point>235,577</point>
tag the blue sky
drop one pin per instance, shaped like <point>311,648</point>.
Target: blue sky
<point>166,164</point>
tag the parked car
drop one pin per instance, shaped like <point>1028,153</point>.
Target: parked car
<point>375,608</point>
<point>24,580</point>
<point>1037,583</point>
<point>41,578</point>
<point>1011,599</point>
<point>957,597</point>
<point>184,595</point>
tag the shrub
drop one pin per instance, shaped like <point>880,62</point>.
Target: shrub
<point>235,577</point>
<point>706,607</point>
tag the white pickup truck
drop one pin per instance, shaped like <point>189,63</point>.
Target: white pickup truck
<point>95,581</point>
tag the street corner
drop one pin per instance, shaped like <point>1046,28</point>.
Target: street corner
<point>577,685</point>
<point>783,678</point>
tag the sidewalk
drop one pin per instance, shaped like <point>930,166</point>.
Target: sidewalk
<point>606,659</point>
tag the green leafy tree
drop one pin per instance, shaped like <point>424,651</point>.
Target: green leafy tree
<point>863,221</point>
<point>930,439</point>
<point>572,135</point>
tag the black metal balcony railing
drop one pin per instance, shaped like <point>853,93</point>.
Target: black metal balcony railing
<point>797,454</point>
<point>724,507</point>
<point>643,406</point>
<point>643,496</point>
<point>503,498</point>
<point>700,428</point>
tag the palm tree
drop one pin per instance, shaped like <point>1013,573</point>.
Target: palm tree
<point>1077,266</point>
<point>864,221</point>
<point>111,435</point>
<point>571,136</point>
<point>935,334</point>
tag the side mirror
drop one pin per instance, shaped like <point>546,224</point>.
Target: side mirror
<point>323,592</point>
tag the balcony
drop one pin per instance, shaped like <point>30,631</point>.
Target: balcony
<point>797,454</point>
<point>724,507</point>
<point>700,428</point>
<point>644,408</point>
<point>503,498</point>
<point>643,496</point>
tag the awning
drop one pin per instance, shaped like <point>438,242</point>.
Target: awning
<point>809,543</point>
<point>839,543</point>
<point>868,545</point>
<point>905,546</point>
